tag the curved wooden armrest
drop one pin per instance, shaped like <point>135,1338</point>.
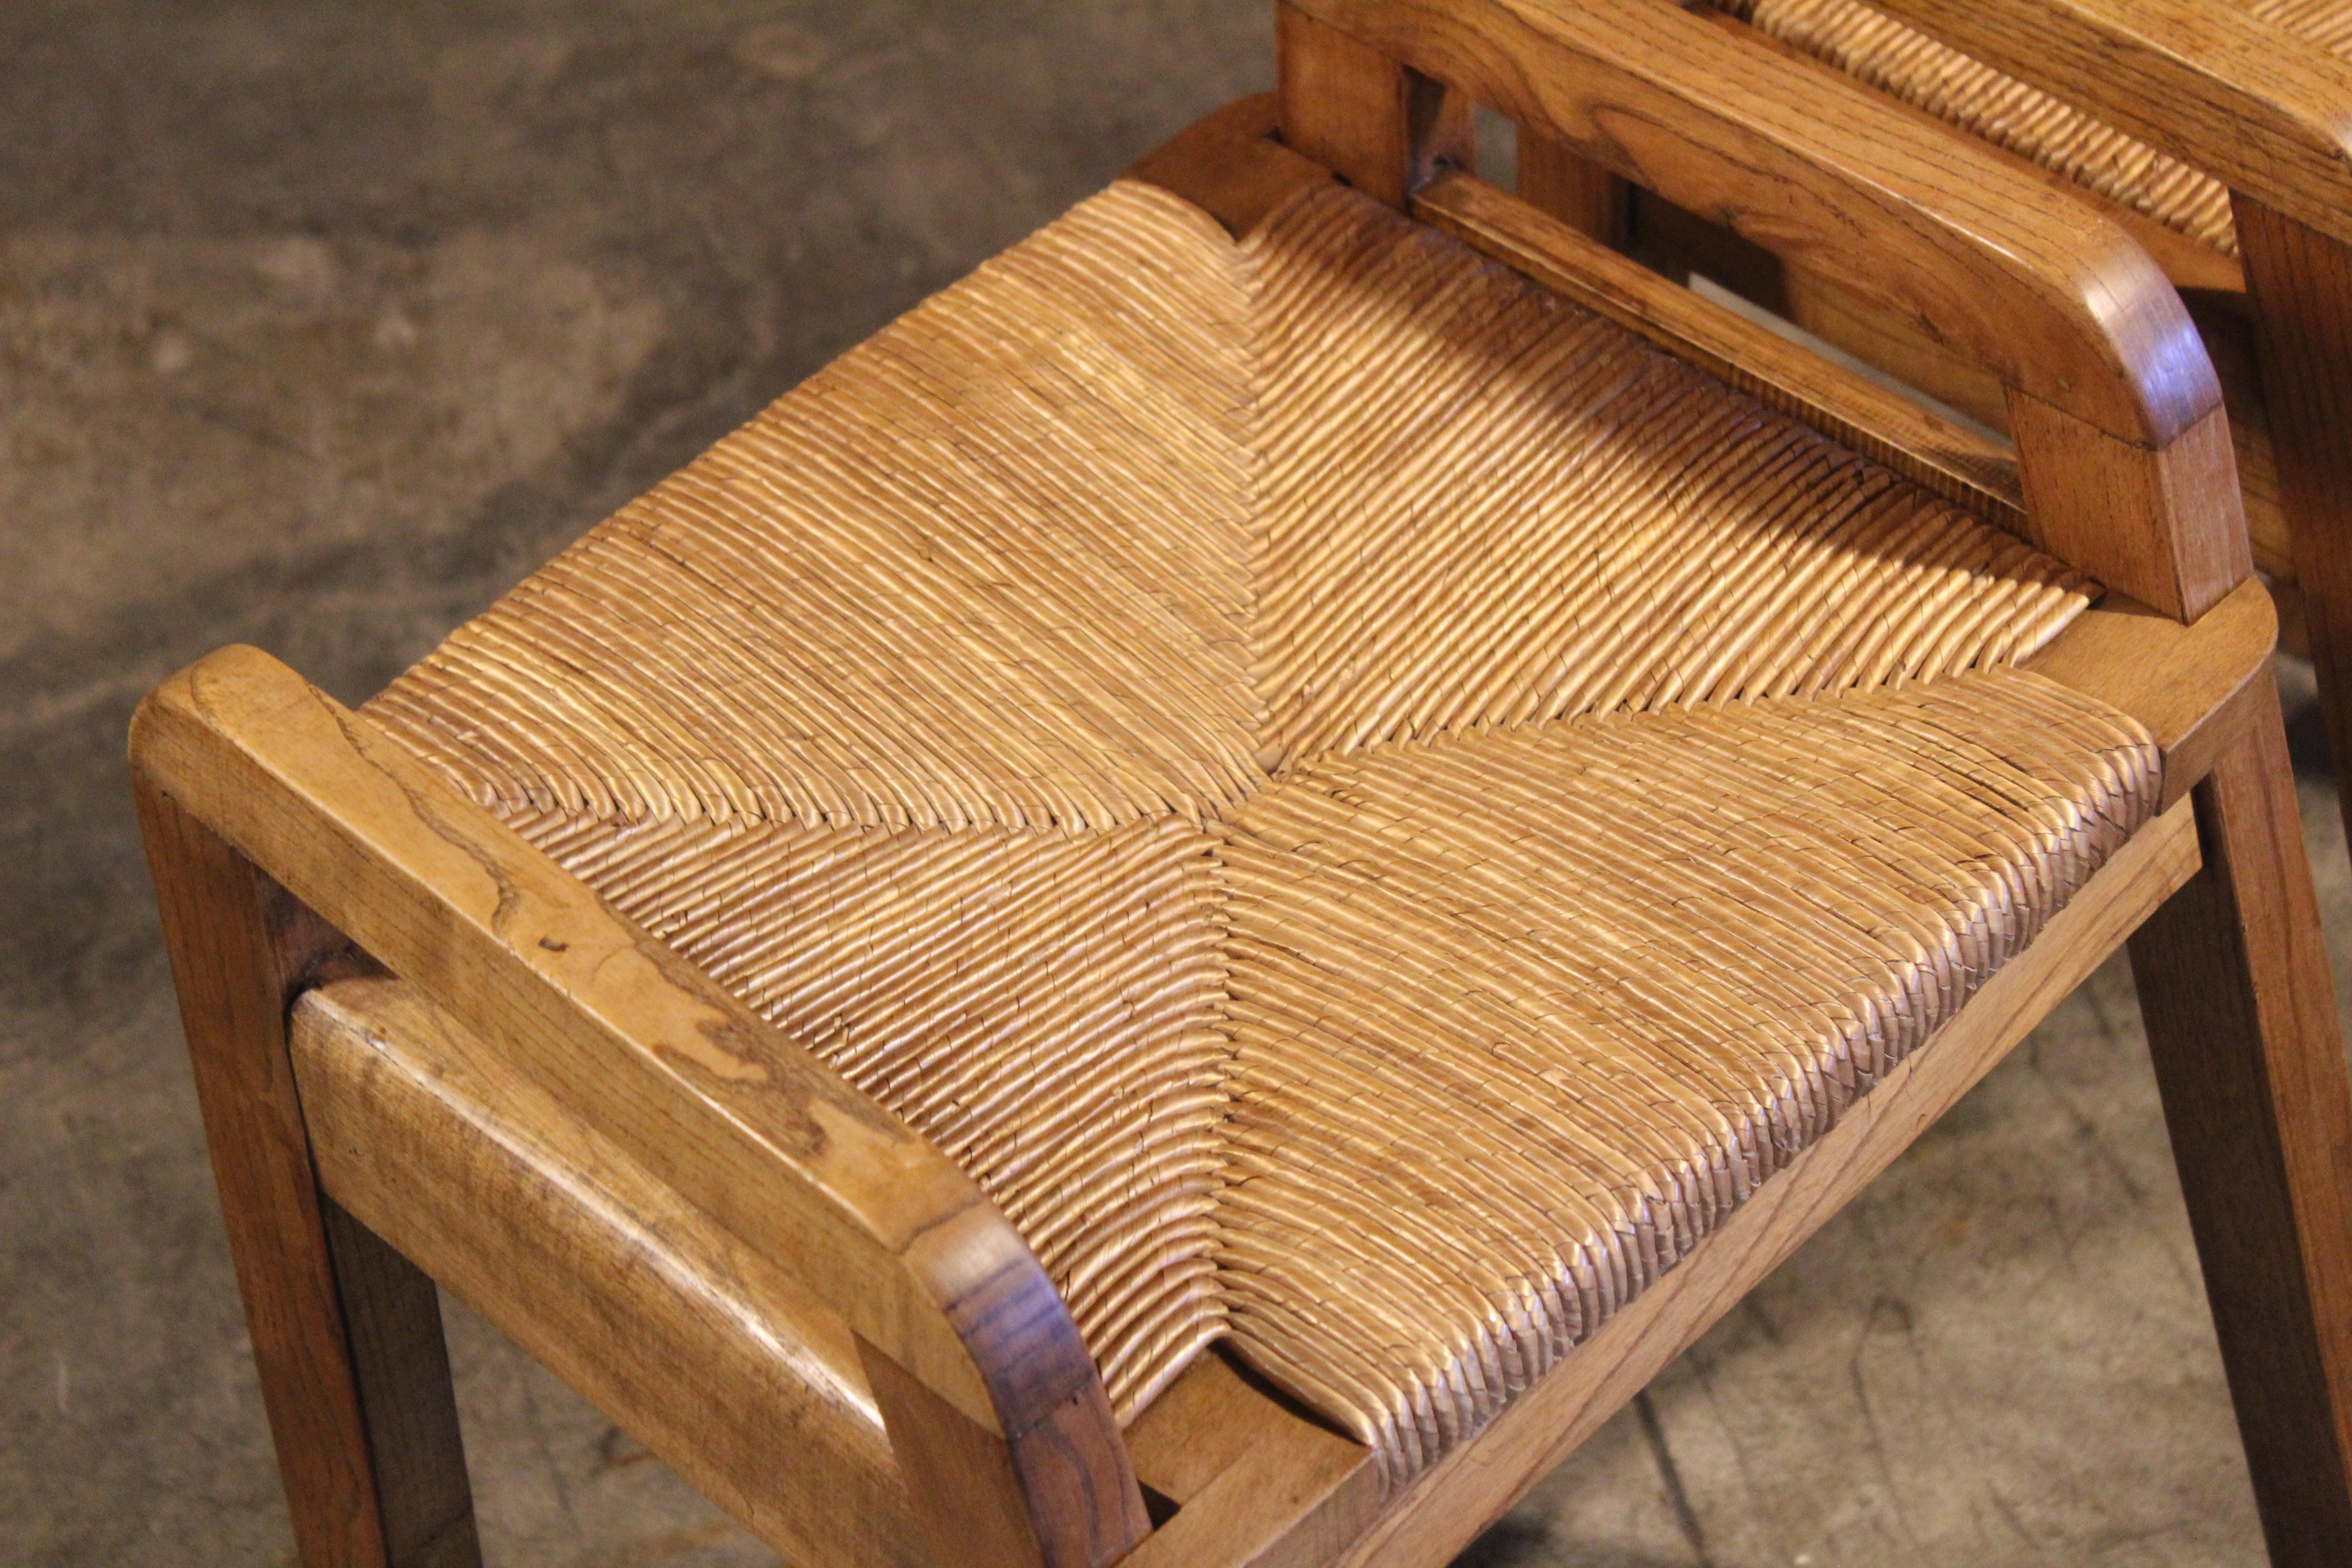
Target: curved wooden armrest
<point>2116,412</point>
<point>2240,98</point>
<point>956,1316</point>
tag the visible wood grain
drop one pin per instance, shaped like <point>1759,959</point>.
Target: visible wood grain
<point>392,1315</point>
<point>2241,1018</point>
<point>1230,166</point>
<point>1382,127</point>
<point>2009,271</point>
<point>2196,689</point>
<point>1887,338</point>
<point>343,1393</point>
<point>1257,1486</point>
<point>2207,82</point>
<point>2299,281</point>
<point>1577,191</point>
<point>715,1359</point>
<point>1452,1501</point>
<point>885,1229</point>
<point>1942,455</point>
<point>2084,487</point>
<point>2191,265</point>
<point>959,1475</point>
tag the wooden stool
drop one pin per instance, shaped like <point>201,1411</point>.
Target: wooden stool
<point>1196,907</point>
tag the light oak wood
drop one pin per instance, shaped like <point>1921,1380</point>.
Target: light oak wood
<point>895,1238</point>
<point>1231,167</point>
<point>1884,337</point>
<point>2241,1022</point>
<point>2028,283</point>
<point>2001,269</point>
<point>1256,1486</point>
<point>2196,689</point>
<point>348,1348</point>
<point>392,1315</point>
<point>717,1360</point>
<point>2204,81</point>
<point>2075,507</point>
<point>2191,265</point>
<point>1382,127</point>
<point>1455,1499</point>
<point>1943,457</point>
<point>2212,284</point>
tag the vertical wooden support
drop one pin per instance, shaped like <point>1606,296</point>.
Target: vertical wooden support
<point>346,1335</point>
<point>391,1318</point>
<point>2300,283</point>
<point>2083,485</point>
<point>2233,982</point>
<point>1554,179</point>
<point>1384,129</point>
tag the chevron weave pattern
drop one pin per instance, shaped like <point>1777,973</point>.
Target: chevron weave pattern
<point>1367,806</point>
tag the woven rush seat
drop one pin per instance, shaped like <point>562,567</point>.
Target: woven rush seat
<point>1898,60</point>
<point>1367,806</point>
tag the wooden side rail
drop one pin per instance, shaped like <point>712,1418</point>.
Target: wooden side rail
<point>1938,454</point>
<point>994,1410</point>
<point>2239,98</point>
<point>2121,438</point>
<point>714,1358</point>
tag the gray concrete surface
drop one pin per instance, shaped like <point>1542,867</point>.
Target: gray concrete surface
<point>321,321</point>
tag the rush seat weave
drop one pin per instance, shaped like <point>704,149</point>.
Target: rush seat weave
<point>1366,805</point>
<point>1898,60</point>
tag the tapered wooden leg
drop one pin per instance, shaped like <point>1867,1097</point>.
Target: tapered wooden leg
<point>346,1334</point>
<point>2241,1013</point>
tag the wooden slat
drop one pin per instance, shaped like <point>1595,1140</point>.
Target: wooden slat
<point>1577,191</point>
<point>777,1148</point>
<point>1456,1498</point>
<point>1943,457</point>
<point>2011,272</point>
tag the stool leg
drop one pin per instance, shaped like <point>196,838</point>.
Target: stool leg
<point>2240,1013</point>
<point>346,1333</point>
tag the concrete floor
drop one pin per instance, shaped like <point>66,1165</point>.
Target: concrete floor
<point>321,321</point>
